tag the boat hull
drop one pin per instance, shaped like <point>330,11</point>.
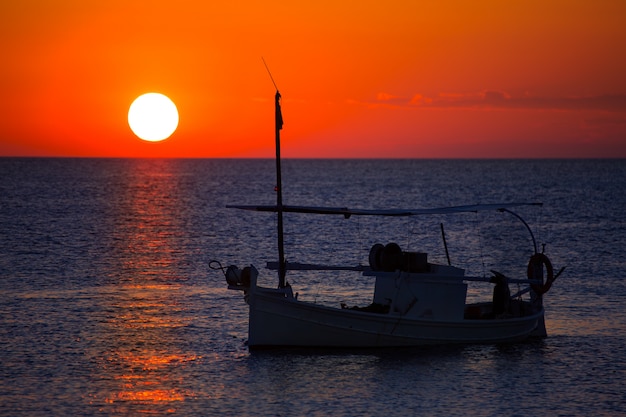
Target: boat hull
<point>277,320</point>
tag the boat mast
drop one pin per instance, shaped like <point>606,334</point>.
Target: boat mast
<point>279,194</point>
<point>279,186</point>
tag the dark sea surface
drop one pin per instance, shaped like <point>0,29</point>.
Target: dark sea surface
<point>108,305</point>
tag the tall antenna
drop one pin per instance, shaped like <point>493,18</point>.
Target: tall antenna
<point>268,71</point>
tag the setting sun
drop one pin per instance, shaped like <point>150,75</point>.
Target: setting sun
<point>153,117</point>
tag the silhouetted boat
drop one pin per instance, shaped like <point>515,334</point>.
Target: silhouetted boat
<point>415,302</point>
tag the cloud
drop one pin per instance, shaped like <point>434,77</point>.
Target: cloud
<point>386,99</point>
<point>492,99</point>
<point>418,100</point>
<point>385,96</point>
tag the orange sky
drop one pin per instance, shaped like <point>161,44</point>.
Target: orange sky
<point>420,79</point>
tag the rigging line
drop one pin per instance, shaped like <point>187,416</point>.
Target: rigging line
<point>409,232</point>
<point>360,243</point>
<point>445,243</point>
<point>359,238</point>
<point>357,244</point>
<point>532,236</point>
<point>480,242</point>
<point>541,227</point>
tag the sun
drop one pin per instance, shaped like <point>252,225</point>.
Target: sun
<point>153,117</point>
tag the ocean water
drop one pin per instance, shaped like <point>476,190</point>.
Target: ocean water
<point>108,305</point>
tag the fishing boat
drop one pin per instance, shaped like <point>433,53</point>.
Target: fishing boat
<point>415,301</point>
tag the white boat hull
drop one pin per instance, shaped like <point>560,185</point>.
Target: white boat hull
<point>280,320</point>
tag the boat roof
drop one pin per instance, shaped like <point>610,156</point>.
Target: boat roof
<point>347,212</point>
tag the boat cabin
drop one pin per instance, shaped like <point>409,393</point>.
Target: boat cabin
<point>408,286</point>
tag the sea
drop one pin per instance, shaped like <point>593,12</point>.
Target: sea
<point>112,300</point>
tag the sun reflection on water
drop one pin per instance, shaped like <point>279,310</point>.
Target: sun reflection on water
<point>147,350</point>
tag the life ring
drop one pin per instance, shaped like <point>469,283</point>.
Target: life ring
<point>535,261</point>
